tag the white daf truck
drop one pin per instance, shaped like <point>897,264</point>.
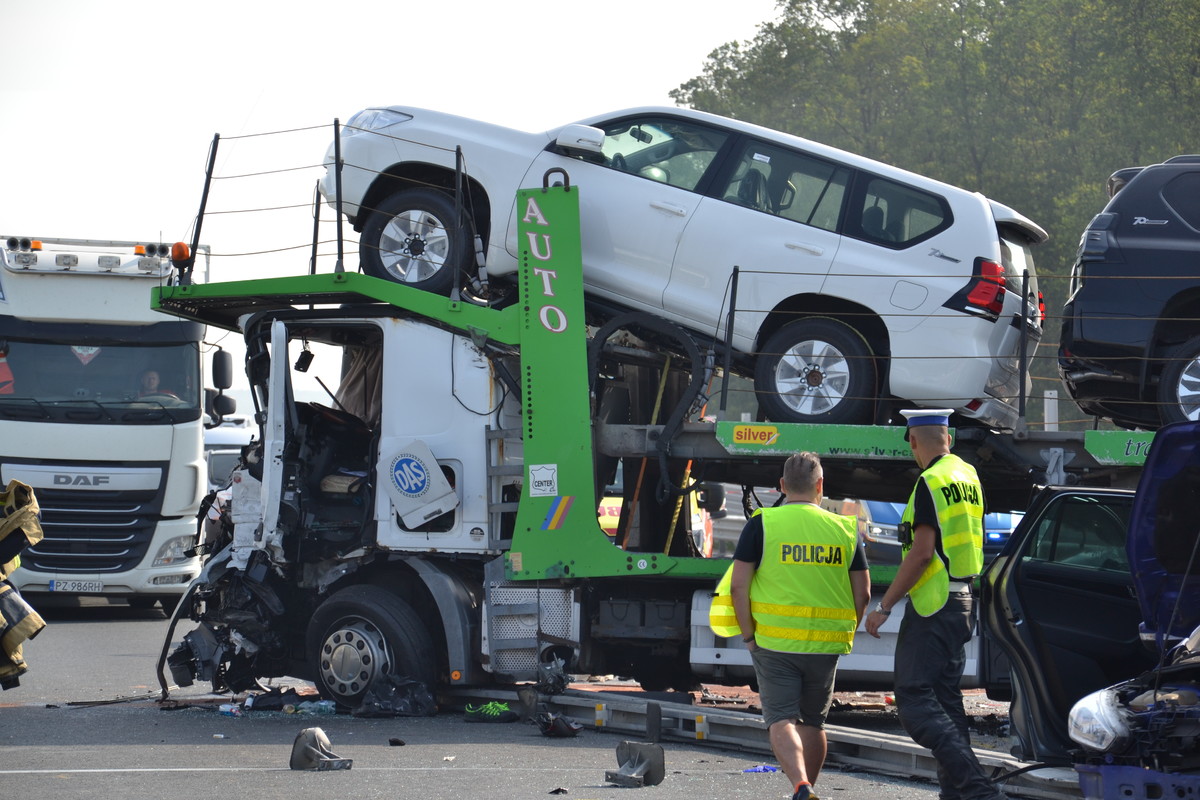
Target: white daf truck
<point>102,412</point>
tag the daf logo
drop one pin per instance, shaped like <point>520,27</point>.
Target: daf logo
<point>81,480</point>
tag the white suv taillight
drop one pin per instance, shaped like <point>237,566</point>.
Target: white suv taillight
<point>984,293</point>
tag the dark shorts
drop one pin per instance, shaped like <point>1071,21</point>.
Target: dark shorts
<point>795,686</point>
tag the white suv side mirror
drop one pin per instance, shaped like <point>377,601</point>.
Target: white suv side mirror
<point>581,139</point>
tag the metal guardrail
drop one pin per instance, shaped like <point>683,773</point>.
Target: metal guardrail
<point>882,753</point>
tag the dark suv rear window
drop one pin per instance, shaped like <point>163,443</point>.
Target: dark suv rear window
<point>1183,196</point>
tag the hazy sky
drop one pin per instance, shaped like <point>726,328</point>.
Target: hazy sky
<point>109,107</point>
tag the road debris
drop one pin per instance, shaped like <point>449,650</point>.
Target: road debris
<point>312,751</point>
<point>642,764</point>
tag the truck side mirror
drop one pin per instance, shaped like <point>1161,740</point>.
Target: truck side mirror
<point>711,497</point>
<point>224,405</point>
<point>222,370</point>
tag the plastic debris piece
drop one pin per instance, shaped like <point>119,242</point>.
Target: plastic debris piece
<point>552,724</point>
<point>642,764</point>
<point>394,742</point>
<point>392,696</point>
<point>762,768</point>
<point>312,751</point>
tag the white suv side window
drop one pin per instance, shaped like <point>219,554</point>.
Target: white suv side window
<point>897,215</point>
<point>791,185</point>
<point>665,150</point>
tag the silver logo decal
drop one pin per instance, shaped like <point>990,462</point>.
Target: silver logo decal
<point>939,254</point>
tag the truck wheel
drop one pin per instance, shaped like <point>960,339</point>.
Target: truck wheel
<point>362,633</point>
<point>411,237</point>
<point>816,370</point>
<point>1179,386</point>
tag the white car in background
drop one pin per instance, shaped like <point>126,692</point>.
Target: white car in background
<point>861,286</point>
<point>223,447</point>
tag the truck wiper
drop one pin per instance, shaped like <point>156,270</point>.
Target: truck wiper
<point>13,407</point>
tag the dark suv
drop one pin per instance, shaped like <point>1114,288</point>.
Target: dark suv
<point>1130,345</point>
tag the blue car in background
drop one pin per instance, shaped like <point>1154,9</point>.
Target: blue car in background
<point>878,522</point>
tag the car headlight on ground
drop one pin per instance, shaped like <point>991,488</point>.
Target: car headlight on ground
<point>1098,722</point>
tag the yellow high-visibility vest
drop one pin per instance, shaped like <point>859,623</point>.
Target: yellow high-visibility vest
<point>801,597</point>
<point>721,618</point>
<point>958,499</point>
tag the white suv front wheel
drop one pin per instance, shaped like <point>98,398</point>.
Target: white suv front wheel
<point>412,237</point>
<point>816,370</point>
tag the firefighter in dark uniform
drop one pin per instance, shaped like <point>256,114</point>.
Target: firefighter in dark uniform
<point>942,534</point>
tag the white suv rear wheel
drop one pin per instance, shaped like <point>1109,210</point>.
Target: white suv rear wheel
<point>816,370</point>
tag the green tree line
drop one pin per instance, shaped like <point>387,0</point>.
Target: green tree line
<point>1034,103</point>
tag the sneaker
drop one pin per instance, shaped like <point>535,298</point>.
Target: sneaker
<point>490,712</point>
<point>805,792</point>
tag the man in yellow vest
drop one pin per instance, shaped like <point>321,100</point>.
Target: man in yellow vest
<point>799,585</point>
<point>942,535</point>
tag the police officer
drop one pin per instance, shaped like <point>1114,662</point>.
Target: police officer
<point>942,533</point>
<point>799,586</point>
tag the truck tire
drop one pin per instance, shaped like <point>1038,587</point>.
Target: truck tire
<point>1179,386</point>
<point>816,370</point>
<point>362,633</point>
<point>412,238</point>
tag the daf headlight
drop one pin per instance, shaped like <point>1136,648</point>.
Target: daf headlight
<point>173,552</point>
<point>1099,723</point>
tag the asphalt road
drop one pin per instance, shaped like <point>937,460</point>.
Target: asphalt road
<point>54,742</point>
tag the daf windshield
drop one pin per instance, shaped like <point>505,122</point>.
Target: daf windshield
<point>101,383</point>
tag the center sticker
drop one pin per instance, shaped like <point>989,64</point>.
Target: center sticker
<point>543,480</point>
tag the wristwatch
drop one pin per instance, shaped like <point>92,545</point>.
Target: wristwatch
<point>748,639</point>
<point>879,610</point>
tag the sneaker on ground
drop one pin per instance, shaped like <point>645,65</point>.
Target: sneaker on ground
<point>490,712</point>
<point>805,792</point>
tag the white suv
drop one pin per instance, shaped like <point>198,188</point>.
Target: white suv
<point>859,285</point>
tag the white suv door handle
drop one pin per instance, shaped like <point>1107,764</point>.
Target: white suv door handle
<point>670,209</point>
<point>811,249</point>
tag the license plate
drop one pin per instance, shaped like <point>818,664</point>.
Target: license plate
<point>77,586</point>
